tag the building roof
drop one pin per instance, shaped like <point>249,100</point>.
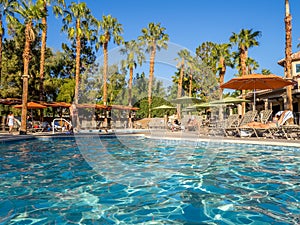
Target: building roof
<point>295,56</point>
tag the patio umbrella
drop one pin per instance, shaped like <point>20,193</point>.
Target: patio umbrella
<point>257,82</point>
<point>186,100</point>
<point>228,100</point>
<point>201,106</point>
<point>164,107</point>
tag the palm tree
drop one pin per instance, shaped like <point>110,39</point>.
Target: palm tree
<point>244,40</point>
<point>111,28</point>
<point>153,38</point>
<point>251,65</point>
<point>57,10</point>
<point>288,54</point>
<point>6,9</point>
<point>222,55</point>
<point>28,12</point>
<point>79,23</point>
<point>134,55</point>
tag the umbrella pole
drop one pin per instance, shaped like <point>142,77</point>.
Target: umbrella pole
<point>254,94</point>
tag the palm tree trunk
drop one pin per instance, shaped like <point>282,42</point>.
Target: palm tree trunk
<point>179,91</point>
<point>77,72</point>
<point>244,55</point>
<point>191,84</point>
<point>105,70</point>
<point>42,60</point>
<point>288,54</point>
<point>221,76</point>
<point>151,74</point>
<point>26,60</point>
<point>1,38</point>
<point>130,86</point>
<point>43,50</point>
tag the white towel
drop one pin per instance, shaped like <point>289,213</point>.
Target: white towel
<point>286,116</point>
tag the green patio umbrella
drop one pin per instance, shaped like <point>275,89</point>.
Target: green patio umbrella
<point>201,106</point>
<point>164,107</point>
<point>228,100</point>
<point>186,100</point>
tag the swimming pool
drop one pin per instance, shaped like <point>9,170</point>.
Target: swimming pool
<point>136,180</point>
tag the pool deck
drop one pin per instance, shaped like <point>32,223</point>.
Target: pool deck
<point>184,135</point>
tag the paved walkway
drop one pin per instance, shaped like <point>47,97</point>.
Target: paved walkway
<point>5,136</point>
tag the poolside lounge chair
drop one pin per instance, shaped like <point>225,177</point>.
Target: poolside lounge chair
<point>227,126</point>
<point>157,123</point>
<point>265,115</point>
<point>235,125</point>
<point>247,118</point>
<point>272,129</point>
<point>283,129</point>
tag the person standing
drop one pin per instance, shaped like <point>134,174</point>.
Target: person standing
<point>10,121</point>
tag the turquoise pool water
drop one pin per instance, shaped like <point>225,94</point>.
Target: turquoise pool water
<point>143,181</point>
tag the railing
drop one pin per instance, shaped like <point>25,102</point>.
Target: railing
<point>59,119</point>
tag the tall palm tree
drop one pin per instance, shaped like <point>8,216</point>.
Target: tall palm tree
<point>288,54</point>
<point>6,10</point>
<point>222,55</point>
<point>28,12</point>
<point>79,23</point>
<point>153,38</point>
<point>110,28</point>
<point>57,10</point>
<point>134,56</point>
<point>244,40</point>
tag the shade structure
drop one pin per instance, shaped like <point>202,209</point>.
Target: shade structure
<point>186,100</point>
<point>124,107</point>
<point>229,100</point>
<point>31,105</point>
<point>257,82</point>
<point>10,101</point>
<point>164,107</point>
<point>88,105</point>
<point>58,104</point>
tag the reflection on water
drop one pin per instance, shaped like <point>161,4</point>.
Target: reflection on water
<point>141,181</point>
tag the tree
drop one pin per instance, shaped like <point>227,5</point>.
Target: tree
<point>111,28</point>
<point>57,10</point>
<point>134,56</point>
<point>244,40</point>
<point>222,54</point>
<point>28,12</point>
<point>153,38</point>
<point>288,54</point>
<point>6,10</point>
<point>79,23</point>
<point>205,52</point>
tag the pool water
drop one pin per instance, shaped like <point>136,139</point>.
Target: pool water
<point>145,181</point>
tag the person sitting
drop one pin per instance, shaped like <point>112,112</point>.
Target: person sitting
<point>191,124</point>
<point>279,119</point>
<point>174,125</point>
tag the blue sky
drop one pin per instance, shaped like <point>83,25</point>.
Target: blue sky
<point>189,23</point>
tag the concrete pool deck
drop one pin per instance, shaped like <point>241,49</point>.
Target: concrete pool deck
<point>6,137</point>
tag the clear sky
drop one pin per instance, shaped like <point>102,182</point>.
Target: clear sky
<point>189,23</point>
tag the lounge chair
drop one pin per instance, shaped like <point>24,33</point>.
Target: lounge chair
<point>227,126</point>
<point>237,126</point>
<point>273,128</point>
<point>265,115</point>
<point>156,123</point>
